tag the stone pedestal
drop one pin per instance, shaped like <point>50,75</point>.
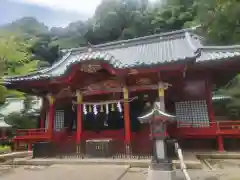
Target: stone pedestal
<point>154,174</point>
<point>161,171</point>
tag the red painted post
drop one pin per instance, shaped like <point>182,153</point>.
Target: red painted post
<point>127,125</point>
<point>220,143</point>
<point>29,146</point>
<point>42,124</point>
<point>79,117</point>
<point>50,116</point>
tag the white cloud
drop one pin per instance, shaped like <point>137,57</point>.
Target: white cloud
<point>83,6</point>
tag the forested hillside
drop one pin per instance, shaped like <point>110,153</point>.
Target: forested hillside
<point>26,44</point>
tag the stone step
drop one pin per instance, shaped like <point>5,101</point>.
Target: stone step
<point>218,155</point>
<point>133,163</point>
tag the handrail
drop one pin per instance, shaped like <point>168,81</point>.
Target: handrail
<point>29,132</point>
<point>182,164</point>
<point>219,124</point>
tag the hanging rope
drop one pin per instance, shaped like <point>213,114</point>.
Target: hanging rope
<point>108,102</point>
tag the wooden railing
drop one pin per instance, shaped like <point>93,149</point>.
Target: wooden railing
<point>218,125</point>
<point>204,130</point>
<point>30,132</point>
<point>228,125</point>
<point>210,129</point>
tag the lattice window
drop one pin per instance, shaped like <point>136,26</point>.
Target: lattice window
<point>59,120</point>
<point>200,113</point>
<point>193,113</point>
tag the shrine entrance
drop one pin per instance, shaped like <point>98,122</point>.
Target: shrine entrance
<point>106,112</point>
<point>103,119</point>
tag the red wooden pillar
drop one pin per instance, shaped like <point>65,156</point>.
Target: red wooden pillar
<point>50,116</point>
<point>79,117</point>
<point>220,143</point>
<point>42,124</point>
<point>127,125</point>
<point>214,126</point>
<point>29,146</point>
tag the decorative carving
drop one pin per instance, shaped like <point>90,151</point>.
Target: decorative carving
<point>50,99</point>
<point>104,85</point>
<point>144,81</point>
<point>64,92</point>
<point>90,68</point>
<point>125,93</point>
<point>79,97</point>
<point>133,71</point>
<point>112,84</point>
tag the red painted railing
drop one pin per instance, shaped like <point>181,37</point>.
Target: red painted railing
<point>206,130</point>
<point>30,132</point>
<point>180,129</point>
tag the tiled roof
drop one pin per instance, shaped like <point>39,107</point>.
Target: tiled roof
<point>209,53</point>
<point>220,97</point>
<point>145,51</point>
<point>176,46</point>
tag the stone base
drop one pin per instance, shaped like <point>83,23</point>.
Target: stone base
<point>161,175</point>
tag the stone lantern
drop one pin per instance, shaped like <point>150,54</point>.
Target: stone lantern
<point>161,166</point>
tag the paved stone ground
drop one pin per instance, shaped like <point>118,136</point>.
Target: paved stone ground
<point>221,170</point>
<point>63,172</point>
<point>230,174</point>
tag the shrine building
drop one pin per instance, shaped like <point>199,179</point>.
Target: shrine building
<point>98,92</point>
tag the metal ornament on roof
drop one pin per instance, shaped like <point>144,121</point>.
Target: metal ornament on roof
<point>156,112</point>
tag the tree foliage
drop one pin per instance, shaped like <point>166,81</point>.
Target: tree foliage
<point>19,121</point>
<point>220,20</point>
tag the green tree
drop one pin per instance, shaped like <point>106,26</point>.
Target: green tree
<point>233,105</point>
<point>19,121</point>
<point>43,49</point>
<point>220,20</point>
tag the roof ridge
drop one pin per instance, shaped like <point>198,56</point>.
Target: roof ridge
<point>220,47</point>
<point>119,42</point>
<point>56,64</point>
<point>190,43</point>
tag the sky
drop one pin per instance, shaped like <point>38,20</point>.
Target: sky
<point>53,13</point>
<point>80,6</point>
